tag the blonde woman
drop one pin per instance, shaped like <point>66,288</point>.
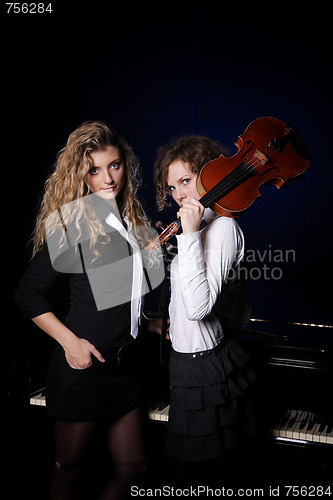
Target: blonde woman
<point>89,228</point>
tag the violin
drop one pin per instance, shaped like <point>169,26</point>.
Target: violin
<point>269,151</point>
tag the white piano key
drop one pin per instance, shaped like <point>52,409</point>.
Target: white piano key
<point>165,414</point>
<point>329,435</point>
<point>281,423</point>
<point>284,429</point>
<point>301,421</point>
<point>316,433</point>
<point>159,411</point>
<point>305,426</point>
<point>38,400</point>
<point>323,436</point>
<point>302,431</point>
<point>323,424</point>
<point>293,423</point>
<point>309,430</point>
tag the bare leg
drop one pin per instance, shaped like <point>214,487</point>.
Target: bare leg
<point>127,451</point>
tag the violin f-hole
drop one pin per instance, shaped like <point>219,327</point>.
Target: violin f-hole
<point>268,171</point>
<point>244,157</point>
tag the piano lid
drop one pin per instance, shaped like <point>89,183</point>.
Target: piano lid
<point>290,334</point>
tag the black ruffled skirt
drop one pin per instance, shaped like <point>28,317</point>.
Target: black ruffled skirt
<point>210,410</point>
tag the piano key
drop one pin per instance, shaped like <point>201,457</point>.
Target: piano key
<point>165,414</point>
<point>322,426</point>
<point>301,423</point>
<point>304,426</point>
<point>281,424</point>
<point>285,428</point>
<point>309,430</point>
<point>293,423</point>
<point>159,411</point>
<point>328,432</point>
<point>38,399</point>
<point>316,433</point>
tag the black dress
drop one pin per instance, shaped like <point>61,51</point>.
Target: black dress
<point>104,390</point>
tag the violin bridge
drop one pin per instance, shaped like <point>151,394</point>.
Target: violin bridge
<point>261,157</point>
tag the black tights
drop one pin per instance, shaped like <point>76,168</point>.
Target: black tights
<point>125,445</point>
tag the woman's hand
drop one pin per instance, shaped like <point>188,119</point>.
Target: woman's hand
<point>78,355</point>
<point>77,351</point>
<point>154,325</point>
<point>191,215</point>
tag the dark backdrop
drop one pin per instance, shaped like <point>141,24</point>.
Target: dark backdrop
<point>155,71</point>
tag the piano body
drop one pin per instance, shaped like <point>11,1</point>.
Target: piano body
<point>292,398</point>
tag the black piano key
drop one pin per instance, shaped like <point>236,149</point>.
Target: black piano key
<point>292,420</point>
<point>323,425</point>
<point>284,420</point>
<point>329,424</point>
<point>321,420</point>
<point>304,422</point>
<point>162,406</point>
<point>311,422</point>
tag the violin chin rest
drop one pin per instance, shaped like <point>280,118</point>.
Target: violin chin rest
<point>298,142</point>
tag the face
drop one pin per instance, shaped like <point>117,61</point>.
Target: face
<point>182,182</point>
<point>107,175</point>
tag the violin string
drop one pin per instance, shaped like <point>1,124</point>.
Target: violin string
<point>240,173</point>
<point>235,177</point>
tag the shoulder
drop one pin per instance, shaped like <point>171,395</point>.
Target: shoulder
<point>223,236</point>
<point>222,227</point>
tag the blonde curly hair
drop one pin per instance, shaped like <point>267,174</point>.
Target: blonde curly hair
<point>67,184</point>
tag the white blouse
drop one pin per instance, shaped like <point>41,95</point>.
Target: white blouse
<point>197,275</point>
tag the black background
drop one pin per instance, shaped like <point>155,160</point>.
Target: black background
<point>155,71</point>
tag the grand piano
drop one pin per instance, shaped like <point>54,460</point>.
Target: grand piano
<point>294,403</point>
<point>292,382</point>
<point>294,407</point>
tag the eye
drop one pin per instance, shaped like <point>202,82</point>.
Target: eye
<point>171,188</point>
<point>93,171</point>
<point>115,165</point>
<point>186,181</point>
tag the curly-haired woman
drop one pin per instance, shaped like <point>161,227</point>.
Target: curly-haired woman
<point>209,371</point>
<point>91,228</point>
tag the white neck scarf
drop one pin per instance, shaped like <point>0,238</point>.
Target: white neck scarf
<point>137,279</point>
